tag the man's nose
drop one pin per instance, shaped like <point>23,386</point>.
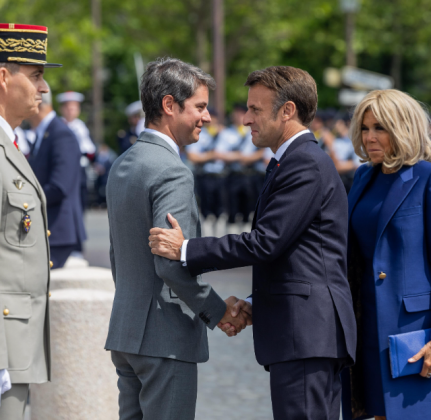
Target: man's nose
<point>44,88</point>
<point>247,119</point>
<point>206,117</point>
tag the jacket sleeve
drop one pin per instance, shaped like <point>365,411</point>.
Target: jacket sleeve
<point>3,343</point>
<point>294,202</point>
<point>65,156</point>
<point>174,194</point>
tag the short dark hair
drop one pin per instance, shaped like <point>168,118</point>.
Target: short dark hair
<point>289,84</point>
<point>170,76</point>
<point>12,68</point>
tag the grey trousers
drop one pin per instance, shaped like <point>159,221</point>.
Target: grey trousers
<point>13,402</point>
<point>155,388</point>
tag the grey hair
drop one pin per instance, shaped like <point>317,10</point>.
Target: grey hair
<point>170,76</point>
<point>12,68</point>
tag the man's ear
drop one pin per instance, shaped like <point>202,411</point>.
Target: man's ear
<point>288,111</point>
<point>4,75</point>
<point>168,104</point>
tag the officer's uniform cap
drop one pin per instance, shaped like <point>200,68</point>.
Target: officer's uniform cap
<point>24,45</point>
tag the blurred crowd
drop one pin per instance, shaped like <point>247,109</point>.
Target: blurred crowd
<point>229,170</point>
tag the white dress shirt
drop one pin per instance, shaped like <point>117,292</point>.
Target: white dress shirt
<point>7,129</point>
<point>278,155</point>
<point>166,138</point>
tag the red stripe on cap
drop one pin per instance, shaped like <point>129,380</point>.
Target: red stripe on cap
<point>23,27</point>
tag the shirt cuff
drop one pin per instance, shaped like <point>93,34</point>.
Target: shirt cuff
<point>249,300</point>
<point>184,253</point>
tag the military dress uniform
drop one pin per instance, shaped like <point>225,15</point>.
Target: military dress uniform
<point>24,245</point>
<point>24,277</point>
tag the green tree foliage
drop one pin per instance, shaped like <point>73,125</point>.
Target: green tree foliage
<point>391,37</point>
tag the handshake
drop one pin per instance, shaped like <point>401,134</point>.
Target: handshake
<point>237,316</point>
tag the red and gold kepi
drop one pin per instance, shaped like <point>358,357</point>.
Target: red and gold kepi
<point>24,44</point>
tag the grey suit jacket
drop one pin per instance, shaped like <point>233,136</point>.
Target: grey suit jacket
<point>24,270</point>
<point>159,309</point>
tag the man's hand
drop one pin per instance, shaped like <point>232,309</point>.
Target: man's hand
<point>239,309</point>
<point>167,242</point>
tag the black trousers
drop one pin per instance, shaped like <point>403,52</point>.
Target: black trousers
<point>306,389</point>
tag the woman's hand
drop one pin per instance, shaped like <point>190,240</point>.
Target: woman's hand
<point>425,352</point>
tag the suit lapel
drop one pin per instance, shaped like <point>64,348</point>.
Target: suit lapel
<point>296,143</point>
<point>18,160</point>
<point>359,187</point>
<point>396,195</point>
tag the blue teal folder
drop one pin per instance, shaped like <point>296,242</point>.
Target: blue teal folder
<point>404,346</point>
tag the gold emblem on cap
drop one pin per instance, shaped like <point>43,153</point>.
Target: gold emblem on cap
<point>11,26</point>
<point>19,183</point>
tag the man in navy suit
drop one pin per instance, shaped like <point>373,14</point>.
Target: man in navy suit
<point>304,326</point>
<point>55,160</point>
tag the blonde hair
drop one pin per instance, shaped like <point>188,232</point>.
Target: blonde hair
<point>403,118</point>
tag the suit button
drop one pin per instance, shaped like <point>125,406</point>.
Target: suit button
<point>51,264</point>
<point>49,294</point>
<point>48,232</point>
<point>6,312</point>
<point>382,275</point>
<point>25,205</point>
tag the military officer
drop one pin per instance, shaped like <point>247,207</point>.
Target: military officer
<point>24,247</point>
<point>70,109</point>
<point>126,138</point>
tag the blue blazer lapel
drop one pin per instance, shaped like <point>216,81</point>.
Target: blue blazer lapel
<point>359,187</point>
<point>396,195</point>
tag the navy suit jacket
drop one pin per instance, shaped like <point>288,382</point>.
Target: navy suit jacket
<point>403,298</point>
<point>57,168</point>
<point>302,305</point>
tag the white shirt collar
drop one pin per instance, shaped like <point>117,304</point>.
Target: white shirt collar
<point>7,129</point>
<point>286,144</point>
<point>166,138</point>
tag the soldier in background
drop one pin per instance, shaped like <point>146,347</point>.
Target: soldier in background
<point>126,138</point>
<point>55,160</point>
<point>231,144</point>
<point>70,110</point>
<point>24,246</point>
<point>209,172</point>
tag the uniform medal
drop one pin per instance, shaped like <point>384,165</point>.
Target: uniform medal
<point>26,223</point>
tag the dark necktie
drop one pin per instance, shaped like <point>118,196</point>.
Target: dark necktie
<point>270,167</point>
<point>15,142</point>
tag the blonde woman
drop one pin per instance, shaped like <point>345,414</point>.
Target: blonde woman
<point>390,254</point>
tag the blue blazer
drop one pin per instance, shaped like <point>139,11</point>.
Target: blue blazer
<point>403,298</point>
<point>302,304</point>
<point>57,168</point>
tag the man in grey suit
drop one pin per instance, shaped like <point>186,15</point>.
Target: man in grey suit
<point>157,333</point>
<point>24,246</point>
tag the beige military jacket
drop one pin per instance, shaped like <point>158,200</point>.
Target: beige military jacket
<point>24,270</point>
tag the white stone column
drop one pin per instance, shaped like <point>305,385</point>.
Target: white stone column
<point>84,381</point>
<point>96,278</point>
